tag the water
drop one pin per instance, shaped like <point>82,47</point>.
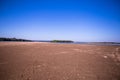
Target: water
<point>92,43</point>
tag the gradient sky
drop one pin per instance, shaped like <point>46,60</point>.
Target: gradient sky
<point>78,20</point>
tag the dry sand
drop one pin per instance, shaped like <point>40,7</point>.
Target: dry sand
<point>48,61</point>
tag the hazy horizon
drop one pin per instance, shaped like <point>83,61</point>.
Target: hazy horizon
<point>77,20</point>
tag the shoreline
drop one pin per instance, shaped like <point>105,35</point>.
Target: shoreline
<point>96,44</point>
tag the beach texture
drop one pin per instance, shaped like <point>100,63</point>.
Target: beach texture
<point>52,61</point>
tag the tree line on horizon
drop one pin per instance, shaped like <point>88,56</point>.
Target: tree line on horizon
<point>13,39</point>
<point>25,40</point>
<point>62,41</point>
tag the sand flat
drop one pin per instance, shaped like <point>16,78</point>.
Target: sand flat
<point>50,61</point>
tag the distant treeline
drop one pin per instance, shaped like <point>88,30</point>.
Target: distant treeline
<point>13,39</point>
<point>62,41</point>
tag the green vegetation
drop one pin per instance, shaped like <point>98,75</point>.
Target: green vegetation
<point>62,41</point>
<point>13,39</point>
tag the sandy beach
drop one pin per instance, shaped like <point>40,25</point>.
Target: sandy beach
<point>52,61</point>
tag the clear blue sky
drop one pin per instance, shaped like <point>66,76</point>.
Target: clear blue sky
<point>78,20</point>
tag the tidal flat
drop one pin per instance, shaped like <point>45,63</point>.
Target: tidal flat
<point>52,61</point>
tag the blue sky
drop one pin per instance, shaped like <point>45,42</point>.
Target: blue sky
<point>78,20</point>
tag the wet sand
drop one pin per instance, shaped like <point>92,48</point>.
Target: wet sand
<point>50,61</point>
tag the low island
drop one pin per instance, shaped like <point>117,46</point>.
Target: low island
<point>62,41</point>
